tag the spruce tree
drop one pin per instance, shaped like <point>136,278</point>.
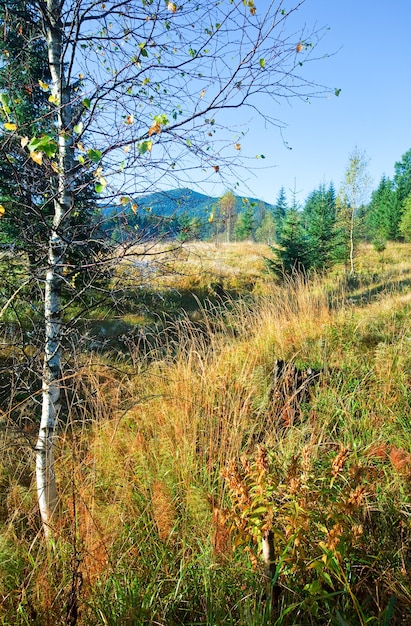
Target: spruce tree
<point>280,211</point>
<point>294,250</point>
<point>402,177</point>
<point>384,212</point>
<point>245,224</point>
<point>319,218</point>
<point>405,222</point>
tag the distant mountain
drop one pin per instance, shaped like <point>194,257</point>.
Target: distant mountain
<point>171,214</point>
<point>176,202</point>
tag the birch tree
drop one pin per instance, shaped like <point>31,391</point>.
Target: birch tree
<point>141,94</point>
<point>352,197</point>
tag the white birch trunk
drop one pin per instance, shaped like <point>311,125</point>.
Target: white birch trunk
<point>52,375</point>
<point>352,222</point>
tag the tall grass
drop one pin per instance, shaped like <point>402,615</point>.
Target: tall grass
<point>175,461</point>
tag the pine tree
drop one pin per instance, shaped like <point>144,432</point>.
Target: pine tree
<point>294,250</point>
<point>384,212</point>
<point>402,178</point>
<point>245,224</point>
<point>280,211</point>
<point>319,218</point>
<point>405,222</point>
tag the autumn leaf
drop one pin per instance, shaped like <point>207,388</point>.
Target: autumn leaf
<point>299,47</point>
<point>10,126</point>
<point>155,129</point>
<point>251,6</point>
<point>2,210</point>
<point>134,207</point>
<point>124,200</point>
<point>37,157</point>
<point>237,146</point>
<point>55,167</point>
<point>44,86</point>
<point>24,141</point>
<point>129,120</point>
<point>171,6</point>
<point>53,99</point>
<point>216,168</point>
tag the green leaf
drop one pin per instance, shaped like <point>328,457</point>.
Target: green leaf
<point>5,102</point>
<point>262,63</point>
<point>161,119</point>
<point>337,92</point>
<point>145,146</point>
<point>78,128</point>
<point>45,143</point>
<point>94,155</point>
<point>98,187</point>
<point>86,103</point>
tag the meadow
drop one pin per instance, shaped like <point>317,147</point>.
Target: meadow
<point>176,459</point>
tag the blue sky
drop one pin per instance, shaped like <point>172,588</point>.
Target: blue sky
<point>371,66</point>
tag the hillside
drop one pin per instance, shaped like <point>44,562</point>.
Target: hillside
<point>176,202</point>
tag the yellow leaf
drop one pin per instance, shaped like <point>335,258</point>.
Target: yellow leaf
<point>10,126</point>
<point>202,94</point>
<point>134,207</point>
<point>80,146</point>
<point>44,86</point>
<point>55,167</point>
<point>24,141</point>
<point>53,99</point>
<point>2,210</point>
<point>37,157</point>
<point>102,182</point>
<point>171,6</point>
<point>124,200</point>
<point>126,149</point>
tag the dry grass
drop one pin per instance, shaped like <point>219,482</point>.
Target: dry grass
<point>140,465</point>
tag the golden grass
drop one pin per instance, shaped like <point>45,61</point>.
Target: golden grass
<point>145,469</point>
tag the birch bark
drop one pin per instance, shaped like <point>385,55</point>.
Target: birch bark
<point>53,315</point>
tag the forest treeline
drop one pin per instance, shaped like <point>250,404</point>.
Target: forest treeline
<point>323,230</point>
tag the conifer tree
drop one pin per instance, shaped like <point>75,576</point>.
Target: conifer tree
<point>402,178</point>
<point>320,222</point>
<point>405,222</point>
<point>280,210</point>
<point>245,224</point>
<point>294,251</point>
<point>384,214</point>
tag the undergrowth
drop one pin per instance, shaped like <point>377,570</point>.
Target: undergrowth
<point>173,462</point>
